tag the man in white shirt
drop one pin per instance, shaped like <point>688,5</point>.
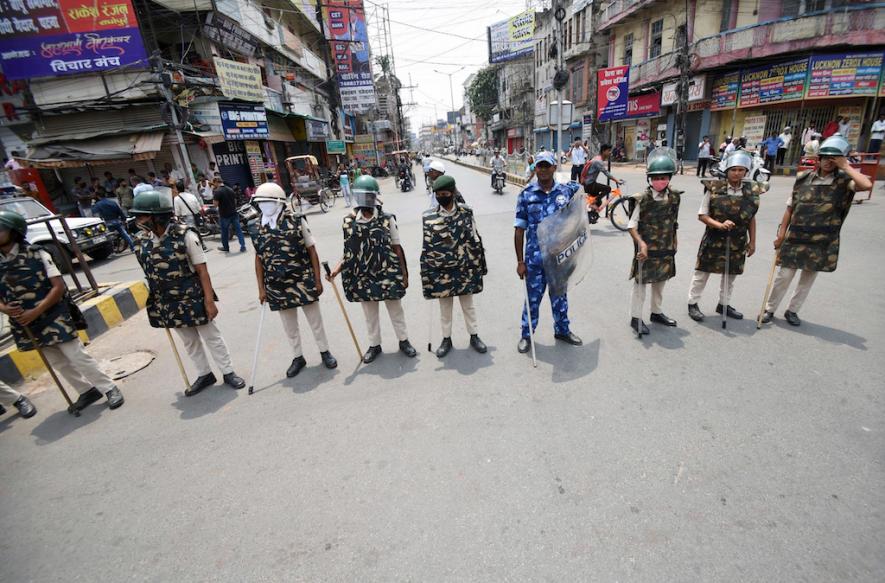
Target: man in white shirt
<point>786,137</point>
<point>578,155</point>
<point>877,133</point>
<point>732,146</point>
<point>705,151</point>
<point>187,207</point>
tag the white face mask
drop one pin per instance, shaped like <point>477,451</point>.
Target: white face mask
<point>269,208</point>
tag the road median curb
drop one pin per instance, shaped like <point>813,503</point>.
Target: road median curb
<point>511,178</point>
<point>119,302</point>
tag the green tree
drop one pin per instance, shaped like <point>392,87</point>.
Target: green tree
<point>483,93</point>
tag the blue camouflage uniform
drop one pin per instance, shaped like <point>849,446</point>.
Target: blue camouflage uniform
<point>532,206</point>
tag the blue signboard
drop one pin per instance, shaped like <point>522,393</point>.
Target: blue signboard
<point>243,121</point>
<point>612,93</point>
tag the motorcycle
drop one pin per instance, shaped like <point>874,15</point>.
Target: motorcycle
<point>758,173</point>
<point>249,218</point>
<point>498,179</point>
<point>405,181</point>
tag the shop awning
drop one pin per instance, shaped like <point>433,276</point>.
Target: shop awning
<point>95,150</point>
<point>278,129</point>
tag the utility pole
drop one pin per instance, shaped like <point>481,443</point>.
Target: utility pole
<point>684,63</point>
<point>454,113</point>
<point>559,16</point>
<point>165,82</point>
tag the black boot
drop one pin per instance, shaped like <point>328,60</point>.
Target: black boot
<point>207,380</point>
<point>232,380</point>
<point>662,319</point>
<point>695,313</point>
<point>523,346</point>
<point>25,408</point>
<point>115,398</point>
<point>477,344</point>
<point>371,354</point>
<point>730,312</point>
<point>329,361</point>
<point>85,399</point>
<point>792,318</point>
<point>767,317</point>
<point>569,338</point>
<point>297,364</point>
<point>406,348</point>
<point>635,323</point>
<point>444,347</point>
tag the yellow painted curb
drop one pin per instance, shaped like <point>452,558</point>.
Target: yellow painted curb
<point>139,292</point>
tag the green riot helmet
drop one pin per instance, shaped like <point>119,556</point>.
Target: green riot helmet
<point>153,202</point>
<point>739,158</point>
<point>14,222</point>
<point>661,161</point>
<point>835,145</point>
<point>365,192</point>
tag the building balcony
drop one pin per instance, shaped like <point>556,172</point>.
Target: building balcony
<point>616,11</point>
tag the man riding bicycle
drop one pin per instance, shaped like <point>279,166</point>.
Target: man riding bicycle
<point>598,191</point>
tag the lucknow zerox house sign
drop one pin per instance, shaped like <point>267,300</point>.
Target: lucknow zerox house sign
<point>47,38</point>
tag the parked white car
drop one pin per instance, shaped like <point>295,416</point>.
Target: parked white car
<point>91,234</point>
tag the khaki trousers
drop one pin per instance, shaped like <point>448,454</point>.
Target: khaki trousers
<point>71,361</point>
<point>397,318</point>
<point>638,298</point>
<point>314,320</point>
<point>446,307</point>
<point>8,395</point>
<point>210,334</point>
<point>782,282</point>
<point>699,282</point>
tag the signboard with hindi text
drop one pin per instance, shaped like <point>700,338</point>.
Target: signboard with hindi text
<point>612,93</point>
<point>47,38</point>
<point>348,37</point>
<point>512,38</point>
<point>844,75</point>
<point>239,80</point>
<point>243,121</point>
<point>724,93</point>
<point>754,129</point>
<point>774,83</point>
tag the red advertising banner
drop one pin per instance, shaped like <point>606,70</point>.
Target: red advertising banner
<point>612,85</point>
<point>647,105</point>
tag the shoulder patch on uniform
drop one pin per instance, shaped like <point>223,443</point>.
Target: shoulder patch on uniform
<point>803,174</point>
<point>676,191</point>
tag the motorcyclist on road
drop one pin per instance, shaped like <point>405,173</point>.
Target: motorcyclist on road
<point>498,164</point>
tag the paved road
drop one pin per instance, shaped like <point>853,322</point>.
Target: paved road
<point>692,455</point>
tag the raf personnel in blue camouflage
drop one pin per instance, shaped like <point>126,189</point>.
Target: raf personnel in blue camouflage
<point>537,201</point>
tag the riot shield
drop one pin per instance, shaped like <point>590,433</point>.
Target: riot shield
<point>564,239</point>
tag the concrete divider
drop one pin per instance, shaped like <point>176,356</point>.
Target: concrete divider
<point>118,303</point>
<point>511,178</point>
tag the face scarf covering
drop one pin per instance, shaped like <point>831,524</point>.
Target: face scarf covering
<point>270,212</point>
<point>660,183</point>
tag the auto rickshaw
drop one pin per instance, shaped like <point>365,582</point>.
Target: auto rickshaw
<point>308,184</point>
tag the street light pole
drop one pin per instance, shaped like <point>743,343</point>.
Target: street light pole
<point>454,113</point>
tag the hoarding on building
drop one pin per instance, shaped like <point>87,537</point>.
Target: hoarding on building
<point>724,91</point>
<point>336,147</point>
<point>243,121</point>
<point>512,38</point>
<point>845,75</point>
<point>696,85</point>
<point>646,105</point>
<point>754,129</point>
<point>774,83</point>
<point>47,38</point>
<point>345,23</point>
<point>239,80</point>
<point>229,34</point>
<point>612,88</point>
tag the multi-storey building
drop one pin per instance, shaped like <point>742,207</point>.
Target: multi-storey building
<point>753,67</point>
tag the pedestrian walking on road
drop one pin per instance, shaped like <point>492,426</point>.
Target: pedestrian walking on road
<point>808,234</point>
<point>728,209</point>
<point>652,226</point>
<point>877,134</point>
<point>578,154</point>
<point>180,293</point>
<point>786,137</point>
<point>186,206</point>
<point>112,214</point>
<point>537,201</point>
<point>453,262</point>
<point>705,152</point>
<point>374,266</point>
<point>771,146</point>
<point>34,296</point>
<point>288,272</point>
<point>226,202</point>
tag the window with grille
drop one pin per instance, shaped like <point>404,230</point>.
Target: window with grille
<point>657,38</point>
<point>628,49</point>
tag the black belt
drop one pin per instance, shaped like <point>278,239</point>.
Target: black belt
<point>662,253</point>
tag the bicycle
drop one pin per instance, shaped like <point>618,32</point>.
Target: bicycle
<point>618,208</point>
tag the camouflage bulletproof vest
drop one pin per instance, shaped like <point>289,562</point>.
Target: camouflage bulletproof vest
<point>288,274</point>
<point>23,279</point>
<point>452,261</point>
<point>371,269</point>
<point>657,227</point>
<point>175,296</point>
<point>818,214</point>
<point>738,209</point>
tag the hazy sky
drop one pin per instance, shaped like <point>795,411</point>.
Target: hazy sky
<point>445,47</point>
